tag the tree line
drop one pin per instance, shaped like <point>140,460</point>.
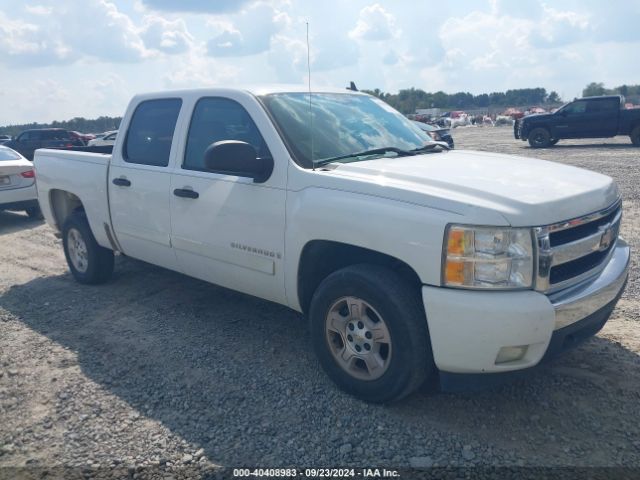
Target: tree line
<point>79,124</point>
<point>410,99</point>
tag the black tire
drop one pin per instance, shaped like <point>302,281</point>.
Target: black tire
<point>539,138</point>
<point>635,136</point>
<point>399,303</point>
<point>99,260</point>
<point>35,213</point>
<point>554,141</point>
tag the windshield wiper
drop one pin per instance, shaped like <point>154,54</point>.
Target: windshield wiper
<point>374,151</point>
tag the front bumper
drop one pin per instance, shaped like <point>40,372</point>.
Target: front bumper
<point>469,328</point>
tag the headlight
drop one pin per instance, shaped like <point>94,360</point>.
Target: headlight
<point>488,257</point>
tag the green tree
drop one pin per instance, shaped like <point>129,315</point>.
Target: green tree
<point>554,97</point>
<point>594,89</point>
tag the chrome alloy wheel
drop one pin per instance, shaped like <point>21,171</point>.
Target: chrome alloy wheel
<point>358,338</point>
<point>77,250</point>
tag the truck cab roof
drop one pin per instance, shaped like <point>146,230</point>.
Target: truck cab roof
<point>257,90</point>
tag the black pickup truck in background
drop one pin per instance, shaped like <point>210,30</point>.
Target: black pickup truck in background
<point>589,117</point>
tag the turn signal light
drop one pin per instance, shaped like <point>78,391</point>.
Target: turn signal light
<point>455,273</point>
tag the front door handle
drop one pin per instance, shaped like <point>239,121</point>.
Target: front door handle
<point>121,182</point>
<point>185,193</point>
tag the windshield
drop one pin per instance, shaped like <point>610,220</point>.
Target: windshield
<point>342,124</point>
<point>7,154</point>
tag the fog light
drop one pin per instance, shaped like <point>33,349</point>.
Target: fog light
<point>511,354</point>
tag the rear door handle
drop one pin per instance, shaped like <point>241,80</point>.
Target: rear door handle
<point>185,193</point>
<point>121,182</point>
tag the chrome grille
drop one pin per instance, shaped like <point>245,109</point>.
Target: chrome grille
<point>572,251</point>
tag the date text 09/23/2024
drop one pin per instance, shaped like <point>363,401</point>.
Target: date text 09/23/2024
<point>316,472</point>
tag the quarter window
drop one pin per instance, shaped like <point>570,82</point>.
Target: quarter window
<point>217,119</point>
<point>151,132</point>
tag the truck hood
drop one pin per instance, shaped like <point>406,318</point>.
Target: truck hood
<point>525,191</point>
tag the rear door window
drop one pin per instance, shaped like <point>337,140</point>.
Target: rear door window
<point>151,132</point>
<point>603,106</point>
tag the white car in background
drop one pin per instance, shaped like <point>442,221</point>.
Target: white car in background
<point>109,138</point>
<point>17,183</point>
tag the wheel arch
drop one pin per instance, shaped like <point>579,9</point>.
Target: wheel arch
<point>63,204</point>
<point>320,258</point>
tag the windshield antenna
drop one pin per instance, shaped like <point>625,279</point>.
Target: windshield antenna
<point>313,165</point>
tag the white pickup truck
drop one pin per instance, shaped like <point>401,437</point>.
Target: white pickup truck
<point>411,262</point>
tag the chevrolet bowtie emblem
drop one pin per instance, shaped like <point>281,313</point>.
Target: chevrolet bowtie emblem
<point>607,238</point>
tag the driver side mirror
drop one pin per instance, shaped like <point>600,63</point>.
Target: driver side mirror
<point>233,157</point>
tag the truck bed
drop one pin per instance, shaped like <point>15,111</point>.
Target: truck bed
<point>83,174</point>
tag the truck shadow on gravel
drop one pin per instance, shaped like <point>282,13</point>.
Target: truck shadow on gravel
<point>236,376</point>
<point>11,222</point>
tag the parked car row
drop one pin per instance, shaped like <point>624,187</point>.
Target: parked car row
<point>30,140</point>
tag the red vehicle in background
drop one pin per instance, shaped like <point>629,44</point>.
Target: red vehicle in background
<point>82,138</point>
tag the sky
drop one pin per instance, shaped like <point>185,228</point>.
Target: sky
<point>65,58</point>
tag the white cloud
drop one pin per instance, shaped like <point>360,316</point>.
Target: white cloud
<point>38,9</point>
<point>167,36</point>
<point>109,35</point>
<point>248,33</point>
<point>27,44</point>
<point>375,24</point>
<point>110,91</point>
<point>560,28</point>
<point>204,6</point>
<point>197,69</point>
<point>288,59</point>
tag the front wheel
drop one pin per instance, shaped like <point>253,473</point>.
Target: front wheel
<point>370,333</point>
<point>539,138</point>
<point>635,136</point>
<point>89,262</point>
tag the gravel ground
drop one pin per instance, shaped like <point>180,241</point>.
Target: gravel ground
<point>158,369</point>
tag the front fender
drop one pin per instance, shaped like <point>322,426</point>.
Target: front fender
<point>408,232</point>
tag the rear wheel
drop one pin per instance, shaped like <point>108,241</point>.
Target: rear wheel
<point>89,262</point>
<point>635,136</point>
<point>539,138</point>
<point>370,334</point>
